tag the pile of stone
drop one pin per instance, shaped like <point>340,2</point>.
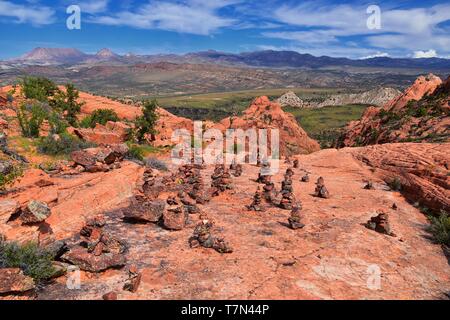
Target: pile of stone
<point>149,180</point>
<point>295,220</point>
<point>321,191</point>
<point>101,159</point>
<point>202,237</point>
<point>189,203</point>
<point>175,215</point>
<point>264,175</point>
<point>98,250</point>
<point>221,180</point>
<point>288,160</point>
<point>288,198</point>
<point>296,164</point>
<point>134,280</point>
<point>289,173</point>
<point>256,204</point>
<point>305,178</point>
<point>380,223</point>
<point>270,193</point>
<point>236,169</point>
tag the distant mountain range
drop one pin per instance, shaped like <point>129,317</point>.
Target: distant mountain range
<point>264,59</point>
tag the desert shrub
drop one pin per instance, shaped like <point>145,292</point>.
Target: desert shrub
<point>67,103</point>
<point>30,119</point>
<point>146,123</point>
<point>395,184</point>
<point>57,123</point>
<point>8,179</point>
<point>156,164</point>
<point>62,144</point>
<point>135,152</point>
<point>40,89</point>
<point>440,228</point>
<point>101,116</point>
<point>30,258</point>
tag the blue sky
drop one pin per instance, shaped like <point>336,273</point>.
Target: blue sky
<point>409,28</point>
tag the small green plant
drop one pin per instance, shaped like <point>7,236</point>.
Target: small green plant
<point>30,258</point>
<point>146,123</point>
<point>440,228</point>
<point>30,119</point>
<point>64,144</point>
<point>8,179</point>
<point>135,152</point>
<point>101,116</point>
<point>395,184</point>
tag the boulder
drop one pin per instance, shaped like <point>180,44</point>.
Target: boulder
<point>420,169</point>
<point>7,209</point>
<point>87,261</point>
<point>143,210</point>
<point>112,133</point>
<point>13,281</point>
<point>35,212</point>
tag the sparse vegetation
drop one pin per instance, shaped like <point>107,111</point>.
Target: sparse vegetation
<point>30,258</point>
<point>145,124</point>
<point>7,179</point>
<point>67,103</point>
<point>395,184</point>
<point>440,228</point>
<point>101,116</point>
<point>135,152</point>
<point>62,144</point>
<point>325,124</point>
<point>37,88</point>
<point>30,119</point>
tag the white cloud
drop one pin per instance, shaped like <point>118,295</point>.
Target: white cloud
<point>425,54</point>
<point>402,30</point>
<point>36,15</point>
<point>192,16</point>
<point>93,6</point>
<point>376,55</point>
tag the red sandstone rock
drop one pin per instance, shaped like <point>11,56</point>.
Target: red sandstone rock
<point>421,169</point>
<point>13,281</point>
<point>409,117</point>
<point>144,210</point>
<point>264,114</point>
<point>7,209</point>
<point>87,261</point>
<point>110,296</point>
